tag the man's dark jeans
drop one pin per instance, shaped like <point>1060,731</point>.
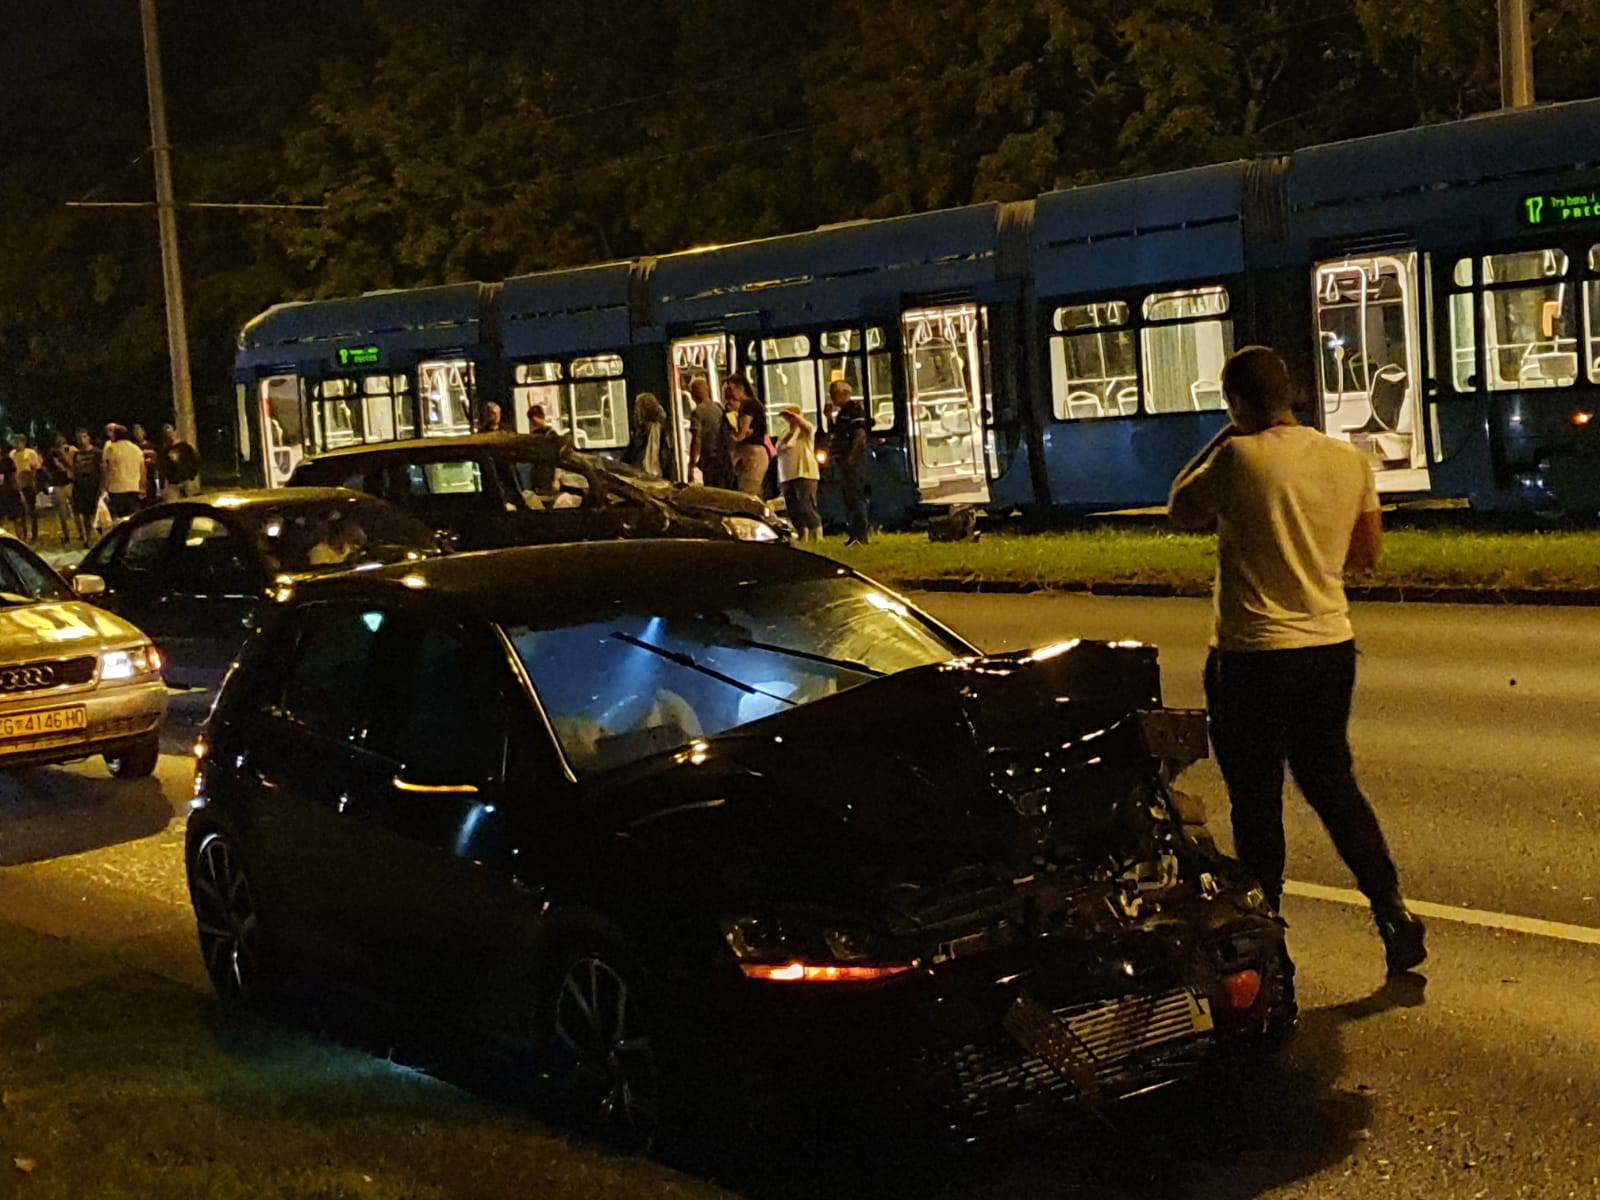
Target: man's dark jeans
<point>1269,707</point>
<point>856,501</point>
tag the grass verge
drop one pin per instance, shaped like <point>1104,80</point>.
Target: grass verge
<point>1489,561</point>
<point>114,1084</point>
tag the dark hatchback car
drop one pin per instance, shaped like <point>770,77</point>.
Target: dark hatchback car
<point>683,820</point>
<point>493,490</point>
<point>196,574</point>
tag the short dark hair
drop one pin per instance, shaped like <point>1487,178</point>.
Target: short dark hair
<point>1257,379</point>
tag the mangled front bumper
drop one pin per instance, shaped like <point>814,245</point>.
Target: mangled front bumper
<point>948,1048</point>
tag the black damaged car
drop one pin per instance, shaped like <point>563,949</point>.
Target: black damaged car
<point>680,821</point>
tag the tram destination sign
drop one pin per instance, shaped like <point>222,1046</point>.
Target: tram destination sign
<point>360,356</point>
<point>1545,209</point>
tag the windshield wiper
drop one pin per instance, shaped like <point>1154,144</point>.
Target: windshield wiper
<point>684,660</point>
<point>810,657</point>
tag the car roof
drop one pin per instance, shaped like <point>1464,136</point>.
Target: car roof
<point>533,584</point>
<point>245,499</point>
<point>409,446</point>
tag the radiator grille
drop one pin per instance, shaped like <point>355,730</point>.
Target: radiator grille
<point>21,678</point>
<point>996,1078</point>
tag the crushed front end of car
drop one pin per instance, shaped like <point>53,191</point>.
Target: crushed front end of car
<point>1012,916</point>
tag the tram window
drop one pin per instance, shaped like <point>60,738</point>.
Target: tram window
<point>861,359</point>
<point>1461,275</point>
<point>538,383</point>
<point>1463,342</point>
<point>378,405</point>
<point>1183,360</point>
<point>1530,333</point>
<point>1591,317</point>
<point>1070,317</point>
<point>599,402</point>
<point>405,408</point>
<point>446,389</point>
<point>1094,375</point>
<point>788,375</point>
<point>337,414</point>
<point>1186,306</point>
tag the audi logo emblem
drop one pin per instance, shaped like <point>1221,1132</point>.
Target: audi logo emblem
<point>17,679</point>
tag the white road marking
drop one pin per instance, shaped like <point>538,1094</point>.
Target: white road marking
<point>1465,916</point>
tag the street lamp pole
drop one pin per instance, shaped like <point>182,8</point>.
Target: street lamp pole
<point>167,221</point>
<point>1516,56</point>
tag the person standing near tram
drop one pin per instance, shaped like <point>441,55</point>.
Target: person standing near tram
<point>710,437</point>
<point>750,457</point>
<point>1293,509</point>
<point>847,422</point>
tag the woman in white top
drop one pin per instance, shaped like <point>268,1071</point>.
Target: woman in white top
<point>798,474</point>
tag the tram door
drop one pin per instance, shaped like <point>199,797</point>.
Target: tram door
<point>282,436</point>
<point>1370,362</point>
<point>703,357</point>
<point>946,354</point>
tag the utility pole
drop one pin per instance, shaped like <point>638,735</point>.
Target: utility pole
<point>167,221</point>
<point>1516,56</point>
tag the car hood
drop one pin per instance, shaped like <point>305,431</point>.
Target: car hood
<point>28,631</point>
<point>989,763</point>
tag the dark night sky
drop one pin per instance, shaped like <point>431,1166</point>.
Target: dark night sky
<point>72,78</point>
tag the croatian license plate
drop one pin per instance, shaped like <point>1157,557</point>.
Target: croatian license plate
<point>44,722</point>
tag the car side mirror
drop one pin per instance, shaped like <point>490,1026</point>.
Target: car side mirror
<point>88,585</point>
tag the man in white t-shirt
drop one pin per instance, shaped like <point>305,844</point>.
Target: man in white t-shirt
<point>122,472</point>
<point>1293,509</point>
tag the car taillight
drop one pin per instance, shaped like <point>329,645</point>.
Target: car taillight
<point>804,972</point>
<point>1241,990</point>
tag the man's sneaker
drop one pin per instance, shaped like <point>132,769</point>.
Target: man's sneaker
<point>1403,940</point>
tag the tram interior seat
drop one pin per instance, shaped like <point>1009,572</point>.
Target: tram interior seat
<point>1205,394</point>
<point>1548,367</point>
<point>1384,429</point>
<point>1083,404</point>
<point>1128,401</point>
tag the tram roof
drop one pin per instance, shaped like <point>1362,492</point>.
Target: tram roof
<point>1490,146</point>
<point>301,329</point>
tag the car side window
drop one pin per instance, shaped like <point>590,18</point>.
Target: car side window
<point>327,690</point>
<point>146,543</point>
<point>37,580</point>
<point>442,712</point>
<point>209,552</point>
<point>450,478</point>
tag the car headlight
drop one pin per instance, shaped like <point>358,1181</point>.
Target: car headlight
<point>749,529</point>
<point>774,950</point>
<point>129,664</point>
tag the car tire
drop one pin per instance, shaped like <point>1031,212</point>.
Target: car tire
<point>137,761</point>
<point>596,1031</point>
<point>228,921</point>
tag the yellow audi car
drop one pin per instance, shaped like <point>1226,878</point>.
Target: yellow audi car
<point>75,681</point>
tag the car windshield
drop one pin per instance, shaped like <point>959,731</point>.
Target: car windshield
<point>647,679</point>
<point>338,534</point>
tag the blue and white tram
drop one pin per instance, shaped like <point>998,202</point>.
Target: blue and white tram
<point>1436,290</point>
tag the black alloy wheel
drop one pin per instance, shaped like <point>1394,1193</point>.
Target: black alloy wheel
<point>601,1057</point>
<point>229,923</point>
<point>137,761</point>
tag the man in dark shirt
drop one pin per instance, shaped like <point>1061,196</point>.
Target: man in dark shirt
<point>847,421</point>
<point>179,465</point>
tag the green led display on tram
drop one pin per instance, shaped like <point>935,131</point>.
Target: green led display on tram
<point>1544,209</point>
<point>360,356</point>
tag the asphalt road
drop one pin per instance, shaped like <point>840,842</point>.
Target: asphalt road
<point>1478,1079</point>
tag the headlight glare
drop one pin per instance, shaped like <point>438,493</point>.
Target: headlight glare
<point>750,529</point>
<point>128,664</point>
